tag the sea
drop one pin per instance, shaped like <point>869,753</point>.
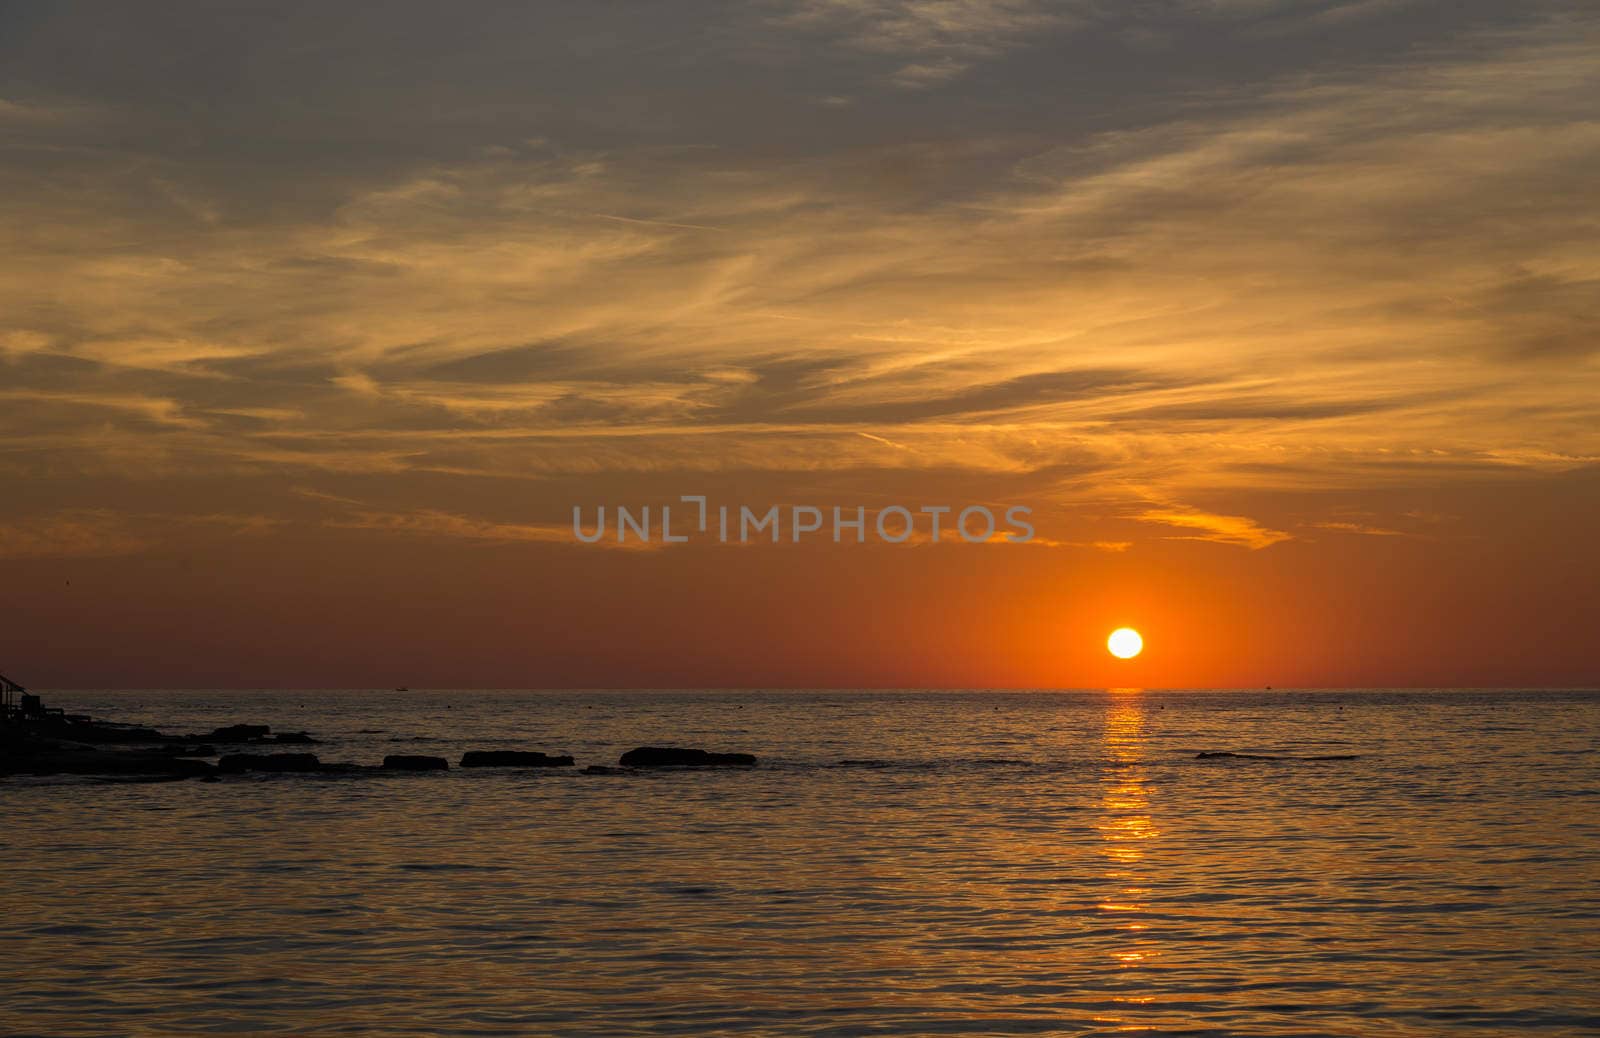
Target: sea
<point>899,863</point>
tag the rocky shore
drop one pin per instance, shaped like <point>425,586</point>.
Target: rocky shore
<point>50,742</point>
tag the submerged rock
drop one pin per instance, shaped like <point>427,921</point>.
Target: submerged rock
<point>602,769</point>
<point>674,756</point>
<point>414,762</point>
<point>255,735</point>
<point>237,733</point>
<point>512,759</point>
<point>237,763</point>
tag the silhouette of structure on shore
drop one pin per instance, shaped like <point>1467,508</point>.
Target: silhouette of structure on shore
<point>20,707</point>
<point>24,715</point>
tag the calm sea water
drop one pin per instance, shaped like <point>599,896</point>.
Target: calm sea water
<point>1007,863</point>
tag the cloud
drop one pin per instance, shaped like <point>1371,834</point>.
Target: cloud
<point>70,534</point>
<point>1235,530</point>
<point>26,113</point>
<point>1360,528</point>
<point>1339,278</point>
<point>430,522</point>
<point>159,410</point>
<point>99,533</point>
<point>433,523</point>
<point>947,36</point>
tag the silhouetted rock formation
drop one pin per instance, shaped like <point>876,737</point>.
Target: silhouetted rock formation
<point>40,740</point>
<point>512,759</point>
<point>46,759</point>
<point>184,750</point>
<point>237,763</point>
<point>414,762</point>
<point>293,739</point>
<point>601,769</point>
<point>673,756</point>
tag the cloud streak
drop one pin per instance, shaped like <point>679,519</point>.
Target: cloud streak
<point>1236,530</point>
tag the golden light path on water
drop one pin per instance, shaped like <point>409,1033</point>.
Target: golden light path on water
<point>1126,827</point>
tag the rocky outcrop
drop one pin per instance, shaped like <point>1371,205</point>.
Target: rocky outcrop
<point>512,759</point>
<point>414,762</point>
<point>84,760</point>
<point>602,769</point>
<point>238,763</point>
<point>674,756</point>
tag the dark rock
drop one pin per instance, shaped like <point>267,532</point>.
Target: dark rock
<point>414,762</point>
<point>294,738</point>
<point>601,769</point>
<point>237,763</point>
<point>347,768</point>
<point>101,732</point>
<point>512,759</point>
<point>49,760</point>
<point>181,750</point>
<point>673,756</point>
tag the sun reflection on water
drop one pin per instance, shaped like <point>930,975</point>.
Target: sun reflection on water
<point>1126,825</point>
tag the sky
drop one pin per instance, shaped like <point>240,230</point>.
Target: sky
<point>317,321</point>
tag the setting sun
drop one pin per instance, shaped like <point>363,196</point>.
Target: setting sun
<point>1125,643</point>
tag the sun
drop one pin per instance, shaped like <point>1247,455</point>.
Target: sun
<point>1125,643</point>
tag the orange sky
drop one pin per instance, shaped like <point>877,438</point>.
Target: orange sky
<point>1279,315</point>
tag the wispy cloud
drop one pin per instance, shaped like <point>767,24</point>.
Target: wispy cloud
<point>72,534</point>
<point>1236,530</point>
<point>97,533</point>
<point>943,38</point>
<point>1360,528</point>
<point>353,514</point>
<point>433,523</point>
